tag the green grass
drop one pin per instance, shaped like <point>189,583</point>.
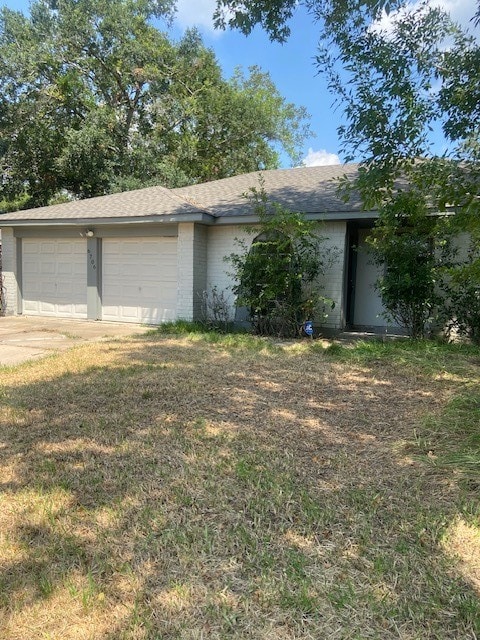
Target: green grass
<point>427,356</point>
<point>196,331</point>
<point>451,438</point>
<point>453,433</point>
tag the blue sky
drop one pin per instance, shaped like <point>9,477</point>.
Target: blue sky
<point>291,65</point>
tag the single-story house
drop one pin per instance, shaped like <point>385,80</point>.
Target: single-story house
<point>148,255</point>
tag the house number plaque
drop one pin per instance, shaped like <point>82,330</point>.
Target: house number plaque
<point>91,259</point>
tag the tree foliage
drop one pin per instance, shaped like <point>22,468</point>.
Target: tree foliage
<point>402,83</point>
<point>278,276</point>
<point>393,83</point>
<point>460,310</point>
<point>273,15</point>
<point>409,247</point>
<point>244,15</point>
<point>94,98</point>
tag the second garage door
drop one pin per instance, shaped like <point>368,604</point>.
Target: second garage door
<point>139,279</point>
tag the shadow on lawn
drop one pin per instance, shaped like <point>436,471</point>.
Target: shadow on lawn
<point>195,490</point>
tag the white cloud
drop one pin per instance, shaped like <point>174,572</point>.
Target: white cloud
<point>196,13</point>
<point>461,11</point>
<point>320,158</point>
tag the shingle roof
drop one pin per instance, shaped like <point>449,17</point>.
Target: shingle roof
<point>152,201</point>
<point>306,189</point>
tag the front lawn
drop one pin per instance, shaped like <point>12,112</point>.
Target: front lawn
<point>198,487</point>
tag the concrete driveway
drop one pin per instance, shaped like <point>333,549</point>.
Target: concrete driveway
<point>24,338</point>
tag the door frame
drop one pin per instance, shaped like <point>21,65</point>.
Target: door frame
<point>353,227</point>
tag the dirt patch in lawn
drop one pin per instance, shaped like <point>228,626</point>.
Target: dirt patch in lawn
<point>176,488</point>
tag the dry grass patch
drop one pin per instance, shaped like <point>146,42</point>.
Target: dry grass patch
<point>171,487</point>
<point>462,541</point>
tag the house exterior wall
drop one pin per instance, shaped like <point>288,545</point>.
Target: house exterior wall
<point>221,243</point>
<point>200,261</point>
<point>332,282</point>
<point>192,281</point>
<point>9,265</point>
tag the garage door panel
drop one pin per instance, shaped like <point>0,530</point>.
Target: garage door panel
<point>67,309</point>
<point>65,269</point>
<point>77,270</point>
<point>46,247</point>
<point>68,247</point>
<point>30,307</point>
<point>130,248</point>
<point>47,308</point>
<point>129,313</point>
<point>64,291</point>
<point>115,291</point>
<point>150,261</point>
<point>108,311</point>
<point>148,316</point>
<point>29,265</point>
<point>130,291</point>
<point>109,269</point>
<point>47,268</point>
<point>140,279</point>
<point>48,289</point>
<point>54,278</point>
<point>30,249</point>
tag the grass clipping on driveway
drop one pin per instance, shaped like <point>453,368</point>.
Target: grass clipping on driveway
<point>174,487</point>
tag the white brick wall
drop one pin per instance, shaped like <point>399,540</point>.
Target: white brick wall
<point>192,269</point>
<point>334,278</point>
<point>185,271</point>
<point>221,243</point>
<point>200,250</point>
<point>9,263</point>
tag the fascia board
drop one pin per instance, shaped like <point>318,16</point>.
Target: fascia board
<point>253,219</point>
<point>201,218</point>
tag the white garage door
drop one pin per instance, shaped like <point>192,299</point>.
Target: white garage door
<point>139,279</point>
<point>54,277</point>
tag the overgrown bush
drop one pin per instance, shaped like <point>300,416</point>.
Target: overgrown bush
<point>277,277</point>
<point>461,311</point>
<point>407,244</point>
<point>215,310</point>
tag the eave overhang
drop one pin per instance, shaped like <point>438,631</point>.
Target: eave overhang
<point>200,218</point>
<point>324,216</point>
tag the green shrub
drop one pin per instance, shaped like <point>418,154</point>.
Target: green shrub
<point>461,309</point>
<point>277,277</point>
<point>406,243</point>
